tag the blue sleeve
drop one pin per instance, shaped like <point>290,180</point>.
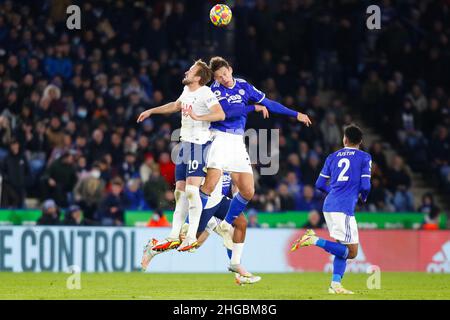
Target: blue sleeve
<point>365,178</point>
<point>324,176</point>
<point>321,184</point>
<point>254,94</point>
<point>237,111</point>
<point>326,170</point>
<point>278,108</point>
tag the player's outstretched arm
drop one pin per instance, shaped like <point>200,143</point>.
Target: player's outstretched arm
<point>237,111</point>
<point>278,108</point>
<point>216,114</point>
<point>261,108</point>
<point>170,107</point>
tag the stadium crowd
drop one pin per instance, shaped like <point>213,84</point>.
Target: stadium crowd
<point>69,98</point>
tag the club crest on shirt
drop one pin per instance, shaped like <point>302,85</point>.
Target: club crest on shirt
<point>185,108</point>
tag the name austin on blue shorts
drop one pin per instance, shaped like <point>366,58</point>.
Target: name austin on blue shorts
<point>191,160</point>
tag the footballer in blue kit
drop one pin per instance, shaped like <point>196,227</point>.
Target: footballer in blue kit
<point>345,178</point>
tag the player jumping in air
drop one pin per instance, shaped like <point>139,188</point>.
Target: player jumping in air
<point>348,173</point>
<point>195,138</point>
<point>228,151</point>
<point>213,213</point>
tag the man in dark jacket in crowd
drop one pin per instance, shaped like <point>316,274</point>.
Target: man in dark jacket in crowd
<point>50,214</point>
<point>15,173</point>
<point>60,179</point>
<point>112,208</point>
<point>74,216</point>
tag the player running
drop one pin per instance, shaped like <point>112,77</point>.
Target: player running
<point>228,151</point>
<point>348,171</point>
<point>195,138</point>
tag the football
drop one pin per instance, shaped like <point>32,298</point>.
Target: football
<point>220,15</point>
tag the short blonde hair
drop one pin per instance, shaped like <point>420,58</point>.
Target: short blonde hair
<point>204,72</point>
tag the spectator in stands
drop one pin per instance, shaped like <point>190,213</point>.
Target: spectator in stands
<point>155,189</point>
<point>135,195</point>
<point>286,200</point>
<point>331,133</point>
<point>59,180</point>
<point>311,169</point>
<point>427,206</point>
<point>440,152</point>
<point>271,202</point>
<point>158,219</point>
<point>74,216</point>
<point>308,201</point>
<point>5,136</point>
<point>112,208</point>
<point>379,199</point>
<point>129,168</point>
<point>294,186</point>
<point>147,167</point>
<point>88,193</point>
<point>315,220</point>
<point>167,168</point>
<point>253,219</point>
<point>378,157</point>
<point>399,184</point>
<point>431,220</point>
<point>15,176</point>
<point>50,213</point>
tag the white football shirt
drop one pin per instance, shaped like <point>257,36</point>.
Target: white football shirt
<point>200,101</point>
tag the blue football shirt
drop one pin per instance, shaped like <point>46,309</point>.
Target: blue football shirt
<point>241,94</point>
<point>345,170</point>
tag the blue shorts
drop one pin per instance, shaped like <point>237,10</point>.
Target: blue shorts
<point>219,211</point>
<point>191,160</point>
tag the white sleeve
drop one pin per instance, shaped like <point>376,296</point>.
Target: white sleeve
<point>209,97</point>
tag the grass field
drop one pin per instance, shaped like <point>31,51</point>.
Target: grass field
<point>218,286</point>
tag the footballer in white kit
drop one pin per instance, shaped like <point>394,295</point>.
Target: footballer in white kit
<point>195,138</point>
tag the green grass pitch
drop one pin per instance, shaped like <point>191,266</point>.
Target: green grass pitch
<point>288,286</point>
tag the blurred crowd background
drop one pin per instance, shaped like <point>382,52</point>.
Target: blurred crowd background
<point>69,99</point>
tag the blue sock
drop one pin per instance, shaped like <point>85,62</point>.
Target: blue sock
<point>339,265</point>
<point>335,248</point>
<point>229,253</point>
<point>204,197</point>
<point>237,205</point>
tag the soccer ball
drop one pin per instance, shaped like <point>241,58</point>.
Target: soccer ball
<point>220,15</point>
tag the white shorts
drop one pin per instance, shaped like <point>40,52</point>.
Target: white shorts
<point>228,153</point>
<point>342,227</point>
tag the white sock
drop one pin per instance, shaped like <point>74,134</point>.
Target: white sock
<point>212,224</point>
<point>237,253</point>
<point>195,210</point>
<point>180,213</point>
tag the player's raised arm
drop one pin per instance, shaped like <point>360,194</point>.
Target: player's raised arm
<point>216,114</point>
<point>237,111</point>
<point>170,107</point>
<point>278,108</point>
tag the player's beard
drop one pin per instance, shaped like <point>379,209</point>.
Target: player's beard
<point>186,81</point>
